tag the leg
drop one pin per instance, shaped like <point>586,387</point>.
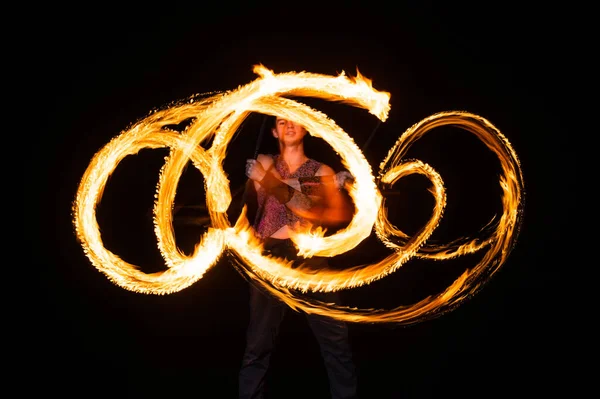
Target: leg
<point>333,339</point>
<point>266,314</point>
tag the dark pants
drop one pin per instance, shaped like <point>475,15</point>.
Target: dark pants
<point>266,314</point>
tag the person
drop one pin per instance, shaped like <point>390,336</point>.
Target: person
<point>293,190</point>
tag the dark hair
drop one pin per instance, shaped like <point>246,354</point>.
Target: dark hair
<point>271,121</point>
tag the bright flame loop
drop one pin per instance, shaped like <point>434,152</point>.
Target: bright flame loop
<point>218,117</point>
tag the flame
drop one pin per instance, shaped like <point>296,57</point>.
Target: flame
<point>218,117</point>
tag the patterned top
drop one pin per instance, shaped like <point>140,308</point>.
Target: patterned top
<point>274,214</point>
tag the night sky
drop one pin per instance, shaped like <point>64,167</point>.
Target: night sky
<point>97,72</point>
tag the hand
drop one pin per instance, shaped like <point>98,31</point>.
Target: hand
<point>255,170</point>
<point>342,177</point>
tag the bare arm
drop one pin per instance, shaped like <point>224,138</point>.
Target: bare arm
<point>316,199</point>
<point>261,172</point>
<point>329,206</point>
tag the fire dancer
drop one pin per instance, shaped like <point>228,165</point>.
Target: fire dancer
<point>292,191</point>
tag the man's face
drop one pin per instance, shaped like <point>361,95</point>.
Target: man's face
<point>288,132</point>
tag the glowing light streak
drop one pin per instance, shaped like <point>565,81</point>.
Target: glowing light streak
<point>218,117</point>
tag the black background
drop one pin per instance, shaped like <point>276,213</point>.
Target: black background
<point>97,71</point>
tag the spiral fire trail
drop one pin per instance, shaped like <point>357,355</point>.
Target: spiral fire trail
<point>218,117</point>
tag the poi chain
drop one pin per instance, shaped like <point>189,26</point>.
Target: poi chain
<point>218,117</point>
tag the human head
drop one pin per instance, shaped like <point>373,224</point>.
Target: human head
<point>288,132</point>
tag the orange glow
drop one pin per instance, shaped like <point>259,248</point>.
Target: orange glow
<point>218,117</point>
